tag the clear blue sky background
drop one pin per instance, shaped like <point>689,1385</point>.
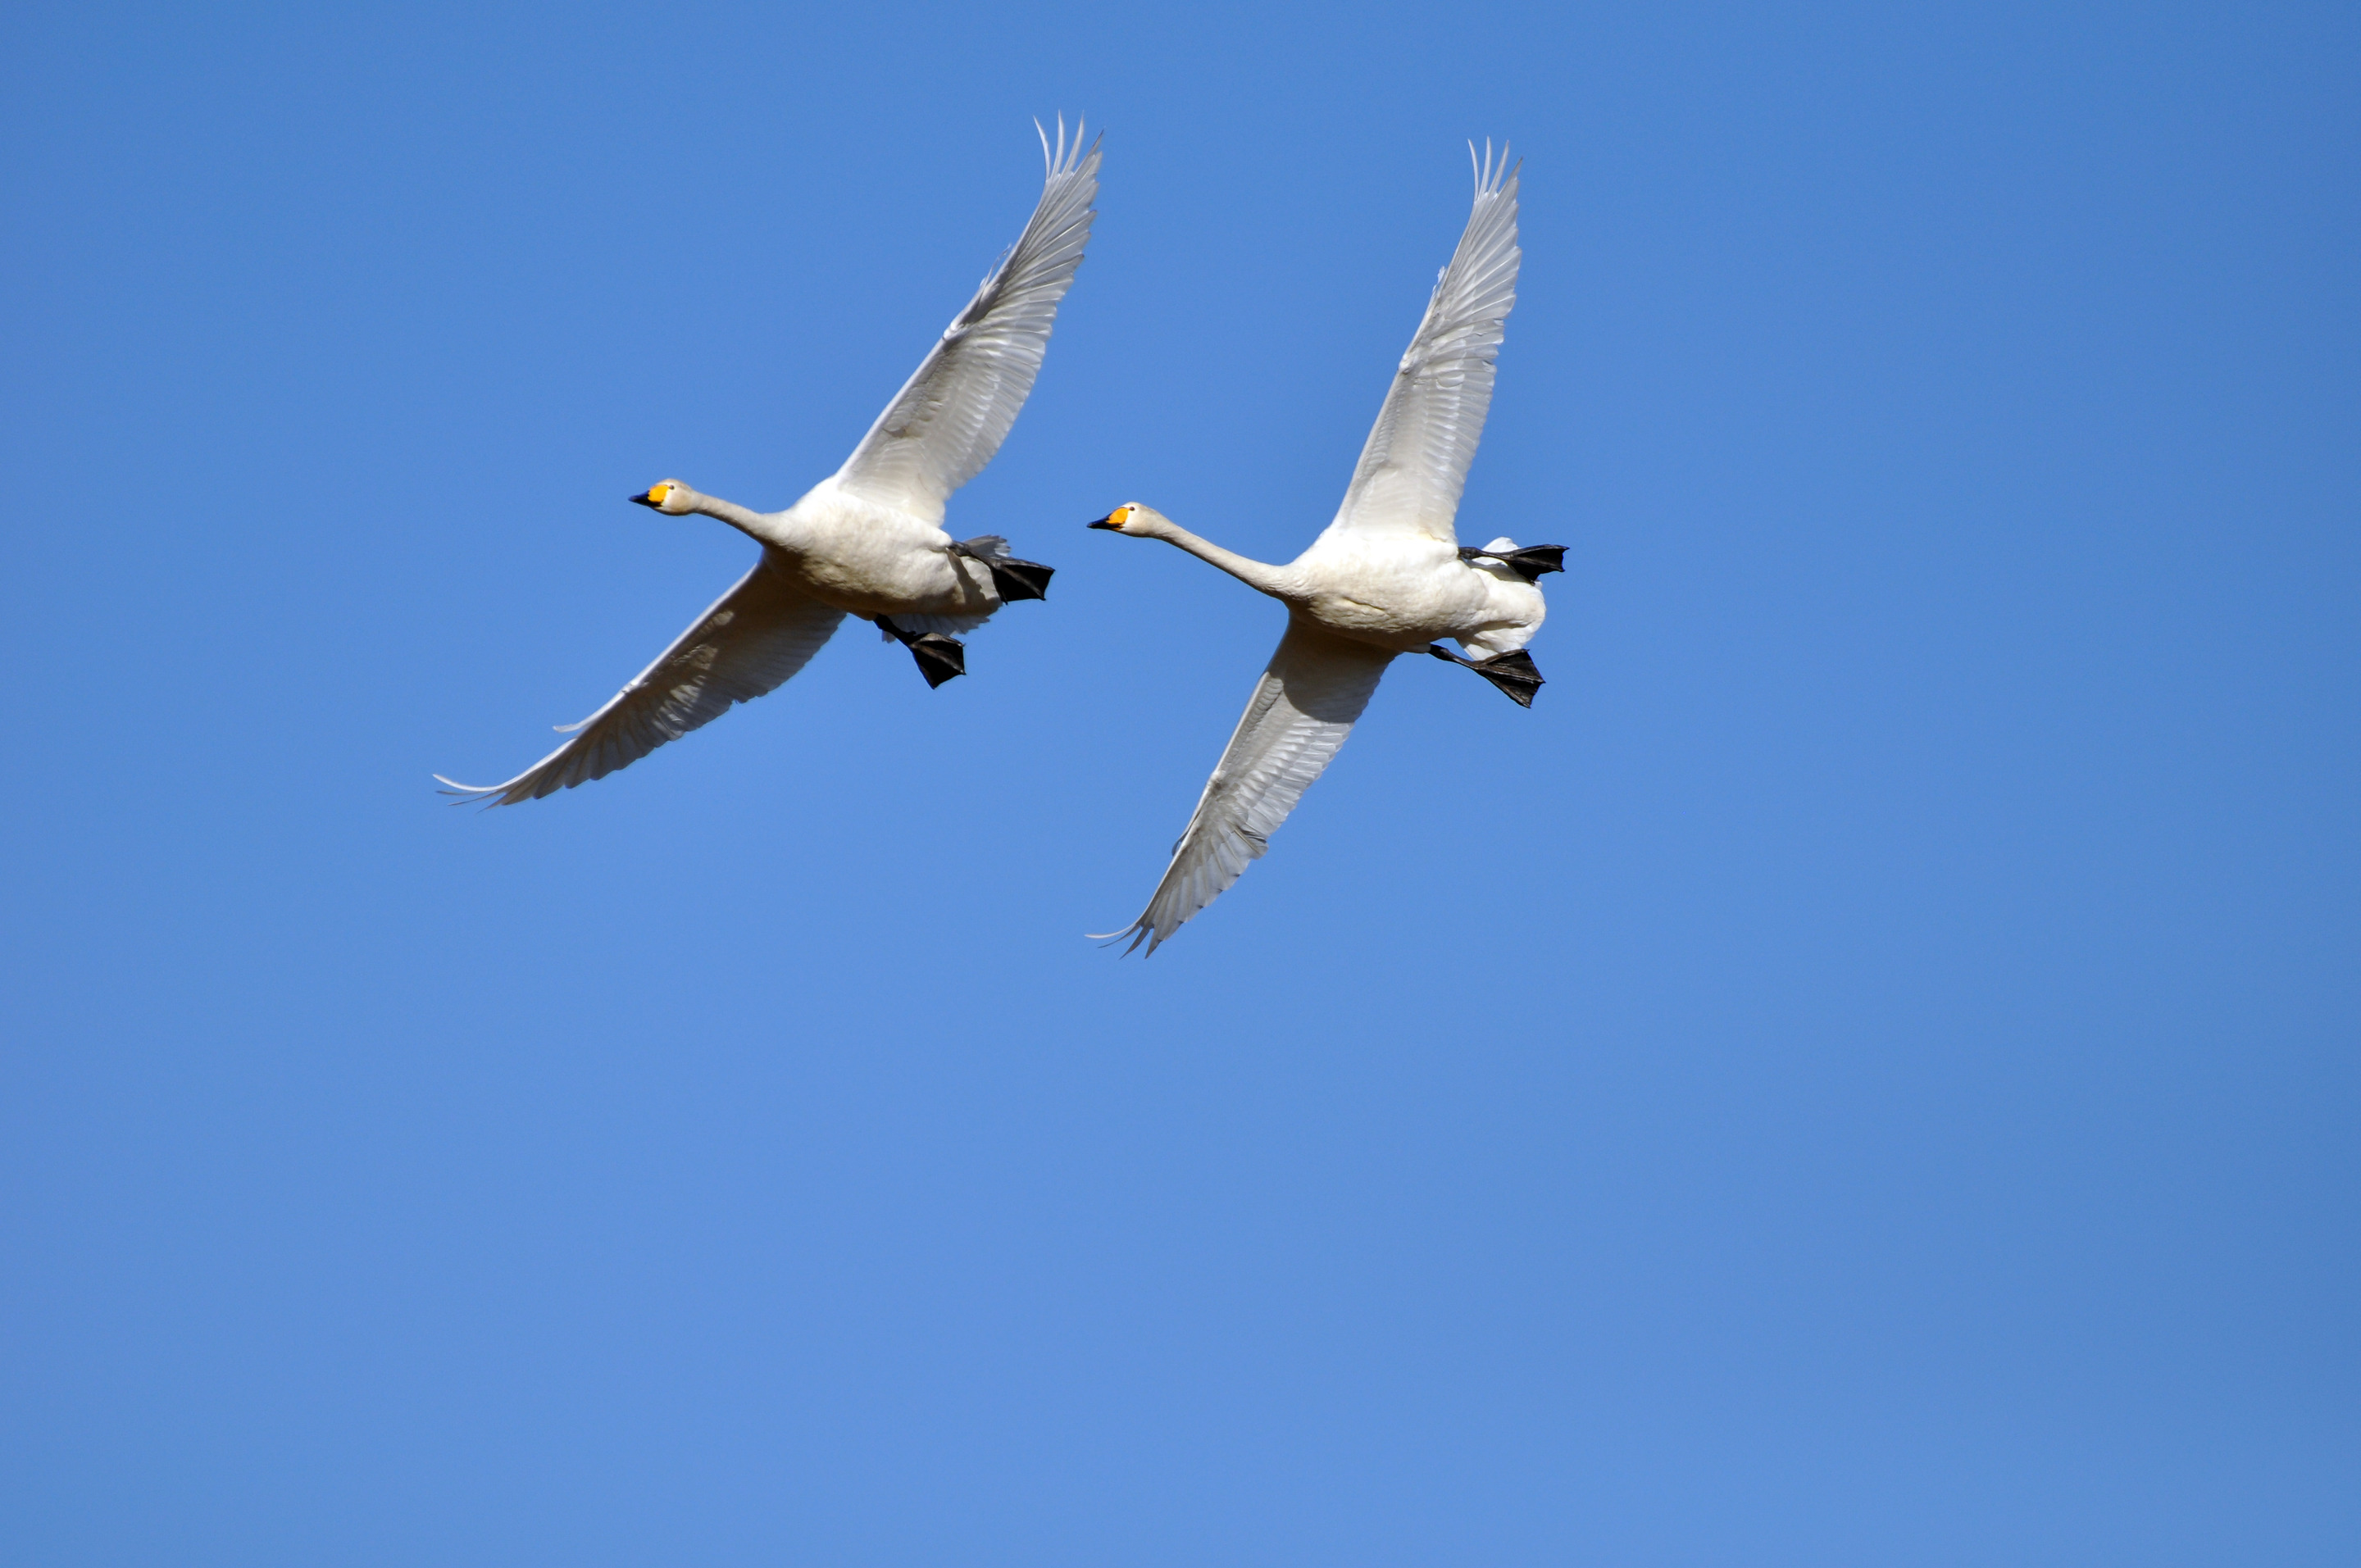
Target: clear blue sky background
<point>1862,1073</point>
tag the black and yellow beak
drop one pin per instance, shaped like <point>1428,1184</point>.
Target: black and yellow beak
<point>1106,521</point>
<point>647,499</point>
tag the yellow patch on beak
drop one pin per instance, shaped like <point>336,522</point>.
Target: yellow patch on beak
<point>1120,515</point>
<point>657,493</point>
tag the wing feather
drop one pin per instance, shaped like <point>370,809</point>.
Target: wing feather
<point>755,636</point>
<point>1306,702</point>
<point>1415,463</point>
<point>956,409</point>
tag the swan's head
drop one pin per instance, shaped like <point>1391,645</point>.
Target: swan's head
<point>1133,519</point>
<point>667,496</point>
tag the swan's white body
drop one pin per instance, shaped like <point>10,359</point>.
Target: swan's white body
<point>862,556</point>
<point>868,540</point>
<point>1385,578</point>
<point>1395,594</point>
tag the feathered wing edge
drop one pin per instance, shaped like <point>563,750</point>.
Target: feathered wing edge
<point>1311,694</point>
<point>1414,463</point>
<point>749,641</point>
<point>894,451</point>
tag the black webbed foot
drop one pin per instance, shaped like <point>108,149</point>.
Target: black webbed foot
<point>1020,579</point>
<point>939,658</point>
<point>1011,578</point>
<point>942,658</point>
<point>1528,562</point>
<point>1514,674</point>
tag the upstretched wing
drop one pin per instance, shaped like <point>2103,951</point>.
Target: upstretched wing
<point>947,422</point>
<point>1310,695</point>
<point>1411,471</point>
<point>756,635</point>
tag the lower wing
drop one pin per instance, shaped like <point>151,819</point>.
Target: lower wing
<point>1313,690</point>
<point>755,636</point>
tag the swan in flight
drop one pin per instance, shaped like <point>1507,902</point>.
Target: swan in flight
<point>1388,576</point>
<point>868,540</point>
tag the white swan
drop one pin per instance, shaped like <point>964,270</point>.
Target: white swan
<point>1386,577</point>
<point>868,540</point>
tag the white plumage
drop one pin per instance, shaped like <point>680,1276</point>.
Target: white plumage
<point>867,540</point>
<point>952,414</point>
<point>1386,577</point>
<point>1415,462</point>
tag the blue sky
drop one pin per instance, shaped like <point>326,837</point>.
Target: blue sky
<point>1863,1072</point>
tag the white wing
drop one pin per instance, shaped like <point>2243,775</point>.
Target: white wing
<point>947,422</point>
<point>1409,475</point>
<point>756,635</point>
<point>1313,690</point>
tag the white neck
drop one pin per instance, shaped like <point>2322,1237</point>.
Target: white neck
<point>741,518</point>
<point>1278,582</point>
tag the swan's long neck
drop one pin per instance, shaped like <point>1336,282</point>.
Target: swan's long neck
<point>743,518</point>
<point>1277,581</point>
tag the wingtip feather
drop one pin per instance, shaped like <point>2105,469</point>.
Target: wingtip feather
<point>463,794</point>
<point>1139,931</point>
<point>1068,153</point>
<point>1493,173</point>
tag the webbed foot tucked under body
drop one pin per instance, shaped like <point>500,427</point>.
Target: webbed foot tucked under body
<point>1528,562</point>
<point>1514,674</point>
<point>939,658</point>
<point>1013,579</point>
<point>867,541</point>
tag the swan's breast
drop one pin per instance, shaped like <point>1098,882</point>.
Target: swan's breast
<point>1394,602</point>
<point>873,560</point>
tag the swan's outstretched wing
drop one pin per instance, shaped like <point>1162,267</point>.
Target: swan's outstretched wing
<point>945,425</point>
<point>1409,475</point>
<point>755,636</point>
<point>1313,690</point>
